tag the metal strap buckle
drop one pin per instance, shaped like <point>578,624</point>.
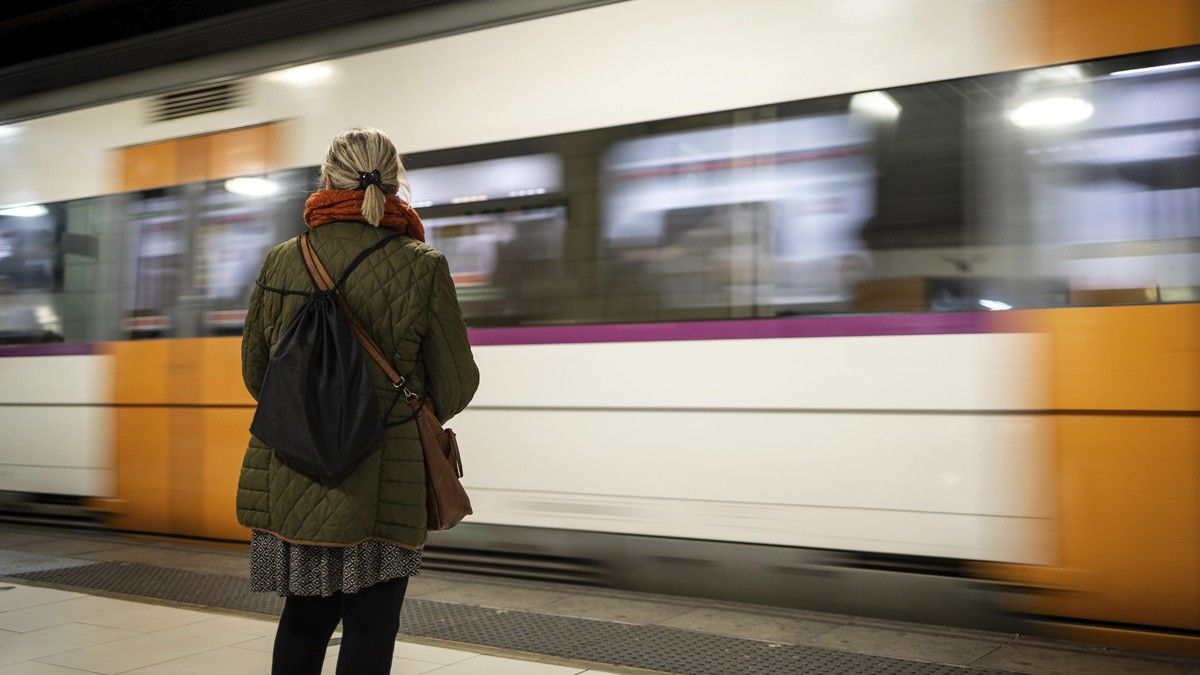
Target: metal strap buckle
<point>408,395</point>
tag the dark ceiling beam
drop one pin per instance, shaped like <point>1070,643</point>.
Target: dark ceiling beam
<point>134,50</point>
<point>45,15</point>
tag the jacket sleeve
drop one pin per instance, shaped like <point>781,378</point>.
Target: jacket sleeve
<point>256,352</point>
<point>451,374</point>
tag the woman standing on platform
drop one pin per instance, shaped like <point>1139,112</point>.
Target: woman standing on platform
<point>344,551</point>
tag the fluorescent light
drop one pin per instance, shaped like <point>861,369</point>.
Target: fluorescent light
<point>995,305</point>
<point>303,76</point>
<point>875,104</point>
<point>252,187</point>
<point>25,211</point>
<point>1058,111</point>
<point>527,192</point>
<point>1156,69</point>
<point>45,315</point>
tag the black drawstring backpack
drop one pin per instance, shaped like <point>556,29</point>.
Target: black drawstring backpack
<point>318,409</point>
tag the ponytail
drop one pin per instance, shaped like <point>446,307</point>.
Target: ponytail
<point>373,204</point>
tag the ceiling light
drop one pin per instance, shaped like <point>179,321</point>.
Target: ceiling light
<point>875,104</point>
<point>303,76</point>
<point>1059,111</point>
<point>1059,75</point>
<point>995,305</point>
<point>252,187</point>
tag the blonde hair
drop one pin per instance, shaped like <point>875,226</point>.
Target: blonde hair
<point>363,150</point>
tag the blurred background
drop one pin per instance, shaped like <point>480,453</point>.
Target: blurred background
<point>874,306</point>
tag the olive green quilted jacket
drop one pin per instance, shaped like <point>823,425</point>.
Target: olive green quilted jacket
<point>405,297</point>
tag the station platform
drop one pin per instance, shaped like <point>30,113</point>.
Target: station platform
<point>84,601</point>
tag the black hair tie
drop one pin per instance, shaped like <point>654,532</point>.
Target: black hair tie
<point>371,178</point>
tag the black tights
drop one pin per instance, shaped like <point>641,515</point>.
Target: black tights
<point>370,619</point>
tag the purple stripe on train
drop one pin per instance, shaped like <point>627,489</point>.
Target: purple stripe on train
<point>749,329</point>
<point>744,329</point>
<point>48,349</point>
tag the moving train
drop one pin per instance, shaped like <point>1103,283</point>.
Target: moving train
<point>773,302</point>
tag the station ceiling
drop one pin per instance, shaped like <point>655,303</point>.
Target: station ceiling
<point>58,43</point>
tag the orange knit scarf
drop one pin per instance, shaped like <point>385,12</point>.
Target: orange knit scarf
<point>328,206</point>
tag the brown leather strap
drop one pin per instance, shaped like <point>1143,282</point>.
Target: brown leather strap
<point>325,282</point>
<point>316,270</point>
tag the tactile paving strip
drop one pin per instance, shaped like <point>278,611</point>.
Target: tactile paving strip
<point>22,562</point>
<point>643,646</point>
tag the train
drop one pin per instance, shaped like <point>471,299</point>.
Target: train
<point>881,308</point>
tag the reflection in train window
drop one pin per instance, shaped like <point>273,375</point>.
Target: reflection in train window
<point>157,251</point>
<point>1115,197</point>
<point>750,220</point>
<point>507,265</point>
<point>502,226</point>
<point>233,235</point>
<point>486,180</point>
<point>30,272</point>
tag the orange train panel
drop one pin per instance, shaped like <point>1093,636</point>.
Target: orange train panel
<point>225,432</point>
<point>223,154</point>
<point>185,450</point>
<point>220,381</point>
<point>1129,484</point>
<point>139,371</point>
<point>186,458</point>
<point>192,163</point>
<point>179,450</point>
<point>197,371</point>
<point>1125,382</point>
<point>148,166</point>
<point>1088,29</point>
<point>143,474</point>
<point>279,145</point>
<point>1130,516</point>
<point>239,152</point>
<point>1139,358</point>
<point>186,371</point>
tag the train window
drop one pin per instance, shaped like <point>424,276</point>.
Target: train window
<point>502,225</point>
<point>505,263</point>
<point>31,273</point>
<point>747,220</point>
<point>237,225</point>
<point>91,263</point>
<point>1068,185</point>
<point>1108,156</point>
<point>156,262</point>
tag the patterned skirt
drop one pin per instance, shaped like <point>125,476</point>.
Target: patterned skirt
<point>303,569</point>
